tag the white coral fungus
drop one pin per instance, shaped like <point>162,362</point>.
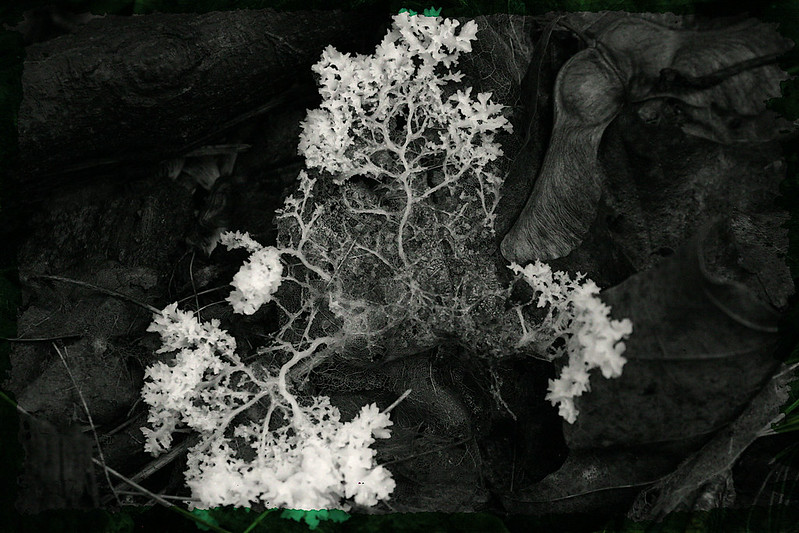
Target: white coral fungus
<point>323,462</point>
<point>582,320</point>
<point>258,279</point>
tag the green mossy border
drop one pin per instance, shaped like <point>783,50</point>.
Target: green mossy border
<point>785,12</point>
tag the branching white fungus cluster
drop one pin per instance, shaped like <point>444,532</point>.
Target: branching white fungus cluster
<point>382,247</point>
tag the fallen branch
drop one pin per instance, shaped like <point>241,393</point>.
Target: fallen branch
<point>715,458</point>
<point>133,89</point>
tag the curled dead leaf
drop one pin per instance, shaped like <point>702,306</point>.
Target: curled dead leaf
<point>720,80</point>
<point>701,349</point>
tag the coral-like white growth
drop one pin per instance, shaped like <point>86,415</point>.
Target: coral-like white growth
<point>312,460</point>
<point>356,129</point>
<point>576,314</point>
<point>258,279</point>
<point>412,156</point>
<point>396,256</point>
<point>204,353</point>
<point>320,463</point>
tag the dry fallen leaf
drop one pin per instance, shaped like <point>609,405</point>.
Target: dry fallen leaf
<point>717,79</point>
<point>701,348</point>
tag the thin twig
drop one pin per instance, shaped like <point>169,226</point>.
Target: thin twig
<point>590,491</point>
<point>91,422</point>
<point>193,286</point>
<point>397,401</point>
<point>119,428</point>
<point>133,407</point>
<point>41,339</point>
<point>99,289</point>
<point>201,293</point>
<point>172,274</point>
<point>165,459</point>
<point>769,430</point>
<point>206,306</point>
<point>159,499</point>
<point>257,521</point>
<point>19,409</point>
<point>274,103</point>
<point>785,370</point>
<point>428,452</point>
<point>674,80</point>
<point>164,496</point>
<point>162,461</point>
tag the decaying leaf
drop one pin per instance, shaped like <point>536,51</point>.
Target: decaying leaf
<point>592,480</point>
<point>688,484</point>
<point>701,349</point>
<point>536,119</point>
<point>58,468</point>
<point>588,94</point>
<point>93,327</point>
<point>718,79</point>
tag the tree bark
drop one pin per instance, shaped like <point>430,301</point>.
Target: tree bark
<point>140,88</point>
